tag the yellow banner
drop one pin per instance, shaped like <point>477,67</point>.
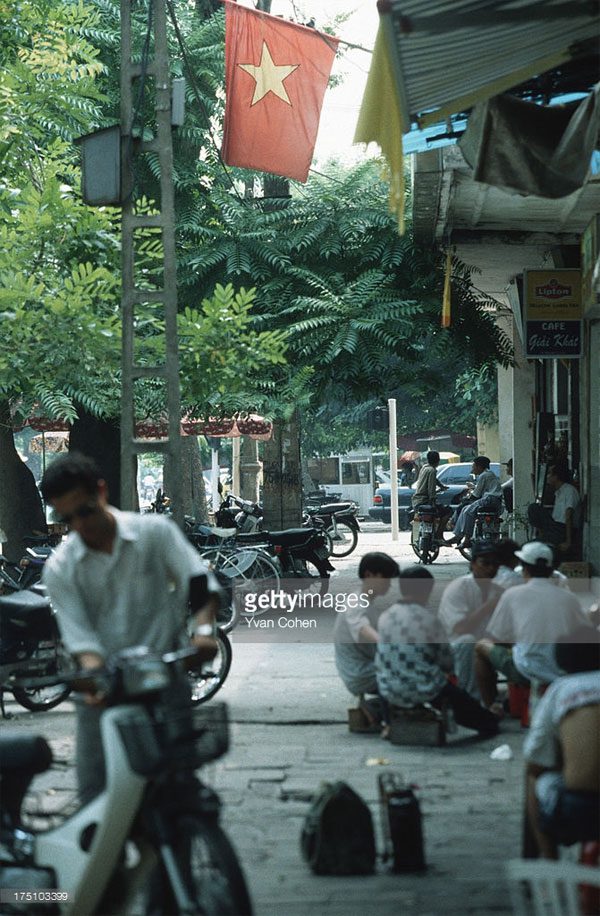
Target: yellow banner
<point>553,295</point>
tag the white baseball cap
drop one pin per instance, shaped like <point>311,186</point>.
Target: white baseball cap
<point>535,553</point>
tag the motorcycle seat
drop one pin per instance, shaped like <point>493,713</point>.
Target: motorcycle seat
<point>292,537</point>
<point>24,752</point>
<point>224,532</point>
<point>330,508</point>
<point>23,605</point>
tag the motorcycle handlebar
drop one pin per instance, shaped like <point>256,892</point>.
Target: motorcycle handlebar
<point>130,673</point>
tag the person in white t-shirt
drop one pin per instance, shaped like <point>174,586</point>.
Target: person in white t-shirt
<point>510,571</point>
<point>465,608</point>
<point>557,526</point>
<point>562,750</point>
<point>525,626</point>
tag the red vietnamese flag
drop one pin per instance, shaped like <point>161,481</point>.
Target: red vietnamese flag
<point>276,73</point>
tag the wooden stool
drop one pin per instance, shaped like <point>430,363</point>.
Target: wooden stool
<point>419,725</point>
<point>360,719</point>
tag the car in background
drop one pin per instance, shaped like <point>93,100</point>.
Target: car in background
<point>454,476</point>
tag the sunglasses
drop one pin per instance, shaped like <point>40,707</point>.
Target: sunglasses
<point>83,511</point>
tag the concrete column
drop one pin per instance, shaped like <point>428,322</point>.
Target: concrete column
<point>523,390</point>
<point>590,445</point>
<point>505,399</point>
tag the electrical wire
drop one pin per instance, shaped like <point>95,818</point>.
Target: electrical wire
<point>192,79</point>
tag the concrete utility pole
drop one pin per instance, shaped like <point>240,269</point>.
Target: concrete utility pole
<point>393,467</point>
<point>282,466</point>
<point>133,77</point>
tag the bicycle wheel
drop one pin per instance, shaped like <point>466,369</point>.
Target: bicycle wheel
<point>211,677</point>
<point>344,539</point>
<point>254,574</point>
<point>208,865</point>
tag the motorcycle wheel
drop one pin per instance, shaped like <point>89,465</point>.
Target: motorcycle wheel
<point>427,552</point>
<point>205,683</point>
<point>210,868</point>
<point>41,699</point>
<point>344,539</point>
<point>465,552</point>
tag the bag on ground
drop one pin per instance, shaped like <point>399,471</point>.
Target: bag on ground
<point>338,836</point>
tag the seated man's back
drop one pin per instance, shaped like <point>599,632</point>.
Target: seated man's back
<point>581,756</point>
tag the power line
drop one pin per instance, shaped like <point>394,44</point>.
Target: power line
<point>196,91</point>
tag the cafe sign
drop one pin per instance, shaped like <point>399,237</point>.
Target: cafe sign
<point>552,314</point>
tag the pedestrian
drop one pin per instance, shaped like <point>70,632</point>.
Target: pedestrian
<point>486,494</point>
<point>119,580</point>
<point>414,658</point>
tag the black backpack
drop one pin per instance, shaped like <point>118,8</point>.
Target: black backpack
<point>338,837</point>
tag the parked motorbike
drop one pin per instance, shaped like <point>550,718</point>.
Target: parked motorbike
<point>303,553</point>
<point>151,841</point>
<point>31,648</point>
<point>339,521</point>
<point>238,513</point>
<point>27,572</point>
<point>300,553</point>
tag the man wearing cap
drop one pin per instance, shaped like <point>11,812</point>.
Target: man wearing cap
<point>465,608</point>
<point>486,494</point>
<point>558,525</point>
<point>527,622</point>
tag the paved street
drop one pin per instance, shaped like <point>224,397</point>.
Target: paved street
<point>290,733</point>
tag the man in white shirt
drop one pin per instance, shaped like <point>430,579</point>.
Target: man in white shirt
<point>486,494</point>
<point>510,571</point>
<point>527,622</point>
<point>119,580</point>
<point>465,607</point>
<point>562,750</point>
<point>558,526</point>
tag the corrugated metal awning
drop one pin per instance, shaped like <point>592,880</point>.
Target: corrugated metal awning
<point>447,55</point>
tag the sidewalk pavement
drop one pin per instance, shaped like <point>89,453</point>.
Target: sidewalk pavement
<point>289,734</point>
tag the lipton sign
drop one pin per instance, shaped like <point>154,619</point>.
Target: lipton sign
<point>552,314</point>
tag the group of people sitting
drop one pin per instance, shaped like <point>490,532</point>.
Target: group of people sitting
<point>514,615</point>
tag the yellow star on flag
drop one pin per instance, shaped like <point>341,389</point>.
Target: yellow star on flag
<point>269,76</point>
